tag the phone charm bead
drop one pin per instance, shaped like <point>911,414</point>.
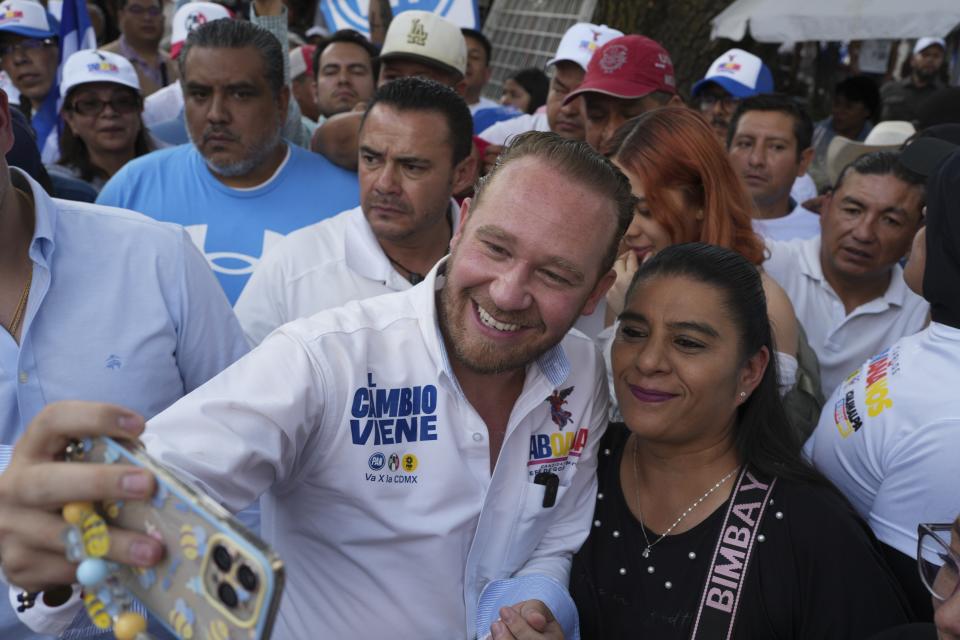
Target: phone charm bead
<point>105,599</point>
<point>130,626</point>
<point>96,611</point>
<point>92,572</point>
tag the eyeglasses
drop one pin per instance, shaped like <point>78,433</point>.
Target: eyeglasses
<point>939,565</point>
<point>122,104</point>
<point>137,10</point>
<point>26,45</point>
<point>728,102</point>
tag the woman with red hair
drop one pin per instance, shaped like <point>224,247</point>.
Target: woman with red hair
<point>688,191</point>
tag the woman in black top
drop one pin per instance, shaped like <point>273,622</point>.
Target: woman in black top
<point>698,391</point>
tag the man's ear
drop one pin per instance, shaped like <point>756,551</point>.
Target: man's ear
<point>806,157</point>
<point>6,124</point>
<point>464,216</point>
<point>461,87</point>
<point>465,172</point>
<point>283,100</point>
<point>599,291</point>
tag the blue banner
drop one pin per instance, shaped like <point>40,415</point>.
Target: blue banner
<point>352,14</point>
<point>76,33</point>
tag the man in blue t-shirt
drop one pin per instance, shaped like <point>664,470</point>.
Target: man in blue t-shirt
<point>238,188</point>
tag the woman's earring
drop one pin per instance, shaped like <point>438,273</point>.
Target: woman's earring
<point>743,395</point>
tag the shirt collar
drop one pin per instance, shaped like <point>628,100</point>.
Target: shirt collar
<point>897,291</point>
<point>553,364</point>
<point>45,217</point>
<point>365,256</point>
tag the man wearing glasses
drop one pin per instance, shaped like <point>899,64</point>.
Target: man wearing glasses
<point>141,28</point>
<point>734,75</point>
<point>30,54</point>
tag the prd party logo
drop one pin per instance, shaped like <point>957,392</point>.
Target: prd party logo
<point>107,67</point>
<point>10,14</point>
<point>352,14</point>
<point>731,66</point>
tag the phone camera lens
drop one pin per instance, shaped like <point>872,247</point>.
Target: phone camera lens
<point>222,558</point>
<point>228,595</point>
<point>247,578</point>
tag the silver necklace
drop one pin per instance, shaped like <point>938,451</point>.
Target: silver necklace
<point>697,502</point>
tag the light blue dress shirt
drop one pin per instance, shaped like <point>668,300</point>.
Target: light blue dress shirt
<point>122,309</point>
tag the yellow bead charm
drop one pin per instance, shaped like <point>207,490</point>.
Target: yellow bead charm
<point>74,512</point>
<point>128,625</point>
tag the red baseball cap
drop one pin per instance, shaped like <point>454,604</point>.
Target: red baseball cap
<point>628,67</point>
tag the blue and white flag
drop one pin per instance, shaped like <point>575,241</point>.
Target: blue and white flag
<point>75,33</point>
<point>352,14</point>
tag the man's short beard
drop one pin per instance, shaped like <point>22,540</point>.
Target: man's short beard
<point>256,155</point>
<point>926,76</point>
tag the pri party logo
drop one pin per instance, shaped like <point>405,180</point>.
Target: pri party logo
<point>194,20</point>
<point>352,14</point>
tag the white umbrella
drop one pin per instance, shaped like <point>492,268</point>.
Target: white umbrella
<point>800,20</point>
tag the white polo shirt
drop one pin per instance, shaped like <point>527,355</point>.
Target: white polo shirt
<point>322,266</point>
<point>374,469</point>
<point>800,224</point>
<point>501,132</point>
<point>842,342</point>
<point>890,435</point>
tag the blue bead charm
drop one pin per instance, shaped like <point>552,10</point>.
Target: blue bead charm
<point>92,572</point>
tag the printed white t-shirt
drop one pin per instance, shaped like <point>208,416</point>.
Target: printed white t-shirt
<point>890,435</point>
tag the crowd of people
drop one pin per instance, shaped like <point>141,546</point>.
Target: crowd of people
<point>681,366</point>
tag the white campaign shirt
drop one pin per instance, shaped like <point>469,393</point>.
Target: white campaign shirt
<point>798,224</point>
<point>501,132</point>
<point>164,104</point>
<point>890,435</point>
<point>803,188</point>
<point>322,266</point>
<point>374,469</point>
<point>842,342</point>
<point>482,103</point>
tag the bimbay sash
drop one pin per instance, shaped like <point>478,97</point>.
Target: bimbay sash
<point>731,558</point>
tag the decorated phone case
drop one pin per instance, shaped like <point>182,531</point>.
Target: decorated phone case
<point>217,581</point>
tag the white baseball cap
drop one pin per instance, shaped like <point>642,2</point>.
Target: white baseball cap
<point>89,65</point>
<point>189,17</point>
<point>739,73</point>
<point>428,38</point>
<point>301,60</point>
<point>923,43</point>
<point>888,135</point>
<point>26,18</point>
<point>580,41</point>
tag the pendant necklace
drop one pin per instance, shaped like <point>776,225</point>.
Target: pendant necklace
<point>412,276</point>
<point>643,529</point>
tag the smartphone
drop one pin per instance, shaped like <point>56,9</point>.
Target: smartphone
<point>217,580</point>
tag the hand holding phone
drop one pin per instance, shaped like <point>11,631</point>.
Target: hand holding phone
<point>216,579</point>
